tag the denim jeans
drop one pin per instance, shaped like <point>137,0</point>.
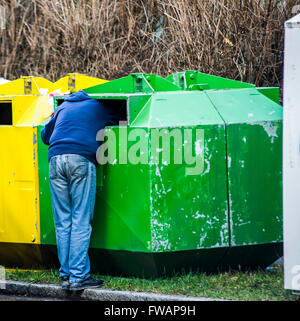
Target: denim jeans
<point>73,189</point>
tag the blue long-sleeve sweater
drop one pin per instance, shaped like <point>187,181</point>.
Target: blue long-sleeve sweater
<point>74,125</point>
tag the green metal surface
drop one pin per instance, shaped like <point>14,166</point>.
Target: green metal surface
<point>121,213</point>
<point>254,158</point>
<point>255,182</point>
<point>272,93</point>
<point>46,216</point>
<point>134,83</point>
<point>176,109</point>
<point>143,208</point>
<point>195,80</point>
<point>190,211</point>
<point>156,207</point>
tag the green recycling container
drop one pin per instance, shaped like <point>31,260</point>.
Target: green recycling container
<point>190,178</point>
<point>253,121</point>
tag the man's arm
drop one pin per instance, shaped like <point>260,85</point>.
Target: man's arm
<point>48,130</point>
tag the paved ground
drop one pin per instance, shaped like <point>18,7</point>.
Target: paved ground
<point>15,290</point>
<point>25,298</point>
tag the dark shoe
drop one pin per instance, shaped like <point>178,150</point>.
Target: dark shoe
<point>65,284</point>
<point>88,283</point>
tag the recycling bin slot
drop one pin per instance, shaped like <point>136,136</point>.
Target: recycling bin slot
<point>6,113</point>
<point>119,106</point>
<point>59,102</point>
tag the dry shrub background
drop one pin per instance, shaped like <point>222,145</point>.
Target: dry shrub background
<point>238,39</point>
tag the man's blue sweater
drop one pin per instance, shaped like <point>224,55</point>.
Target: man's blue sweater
<point>74,125</point>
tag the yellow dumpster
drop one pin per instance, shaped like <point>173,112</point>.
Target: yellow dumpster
<point>24,104</point>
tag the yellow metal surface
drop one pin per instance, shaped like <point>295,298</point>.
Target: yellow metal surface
<point>20,104</point>
<point>25,86</point>
<point>19,209</point>
<point>19,201</point>
<point>28,110</point>
<point>36,110</point>
<point>74,82</point>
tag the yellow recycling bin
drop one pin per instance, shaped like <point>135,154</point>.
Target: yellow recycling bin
<point>24,104</point>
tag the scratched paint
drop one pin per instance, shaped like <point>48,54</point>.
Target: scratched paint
<point>34,138</point>
<point>255,207</point>
<point>183,215</point>
<point>271,128</point>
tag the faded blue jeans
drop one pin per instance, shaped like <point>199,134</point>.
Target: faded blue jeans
<point>73,189</point>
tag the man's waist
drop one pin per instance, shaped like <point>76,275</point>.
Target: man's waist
<point>53,152</point>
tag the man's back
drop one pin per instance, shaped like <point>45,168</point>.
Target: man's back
<point>74,126</point>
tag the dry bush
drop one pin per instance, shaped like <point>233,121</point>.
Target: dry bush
<point>238,39</point>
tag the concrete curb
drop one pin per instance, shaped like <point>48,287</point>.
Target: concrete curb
<point>55,291</point>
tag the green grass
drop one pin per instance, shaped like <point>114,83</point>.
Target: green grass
<point>238,285</point>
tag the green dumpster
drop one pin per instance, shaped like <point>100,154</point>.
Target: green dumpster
<point>253,121</point>
<point>191,177</point>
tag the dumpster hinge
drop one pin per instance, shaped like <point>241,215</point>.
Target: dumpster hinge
<point>27,86</point>
<point>71,82</point>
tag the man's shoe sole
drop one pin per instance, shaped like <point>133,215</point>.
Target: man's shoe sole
<point>83,287</point>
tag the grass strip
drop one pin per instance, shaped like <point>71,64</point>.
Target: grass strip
<point>256,285</point>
